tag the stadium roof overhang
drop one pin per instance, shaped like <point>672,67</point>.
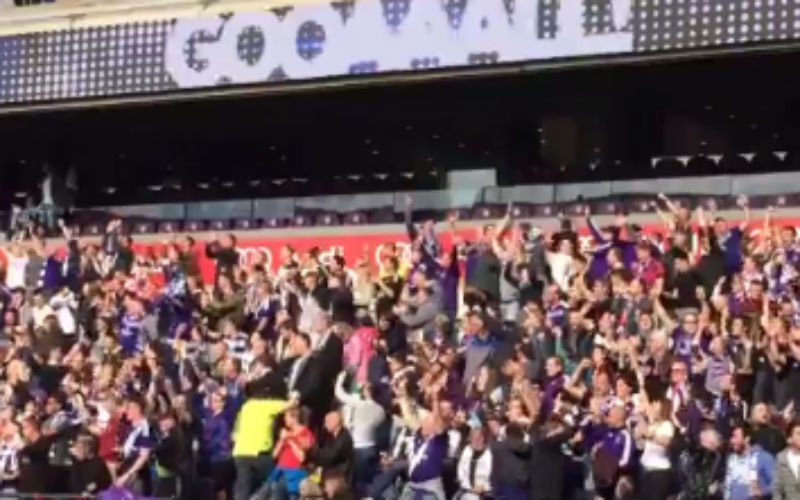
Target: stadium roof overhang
<point>405,79</point>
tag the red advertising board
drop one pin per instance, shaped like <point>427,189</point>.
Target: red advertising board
<point>354,246</point>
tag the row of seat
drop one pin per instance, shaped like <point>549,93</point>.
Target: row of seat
<point>93,224</point>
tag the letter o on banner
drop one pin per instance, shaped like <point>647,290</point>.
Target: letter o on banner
<point>227,62</point>
<point>331,60</point>
<point>248,254</point>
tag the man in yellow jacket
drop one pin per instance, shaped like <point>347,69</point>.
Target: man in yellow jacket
<point>253,435</point>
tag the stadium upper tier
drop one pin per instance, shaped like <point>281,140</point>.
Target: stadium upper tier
<point>28,16</point>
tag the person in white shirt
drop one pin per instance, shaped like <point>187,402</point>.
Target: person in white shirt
<point>40,310</point>
<point>363,416</point>
<point>658,433</point>
<point>475,467</point>
<point>17,262</point>
<point>560,263</point>
<point>64,304</point>
<point>47,205</point>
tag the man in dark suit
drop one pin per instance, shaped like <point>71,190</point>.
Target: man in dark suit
<point>328,347</point>
<point>305,379</point>
<point>328,352</point>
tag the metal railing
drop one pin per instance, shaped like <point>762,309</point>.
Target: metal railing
<point>448,199</point>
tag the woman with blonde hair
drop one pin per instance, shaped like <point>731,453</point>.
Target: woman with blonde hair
<point>657,431</point>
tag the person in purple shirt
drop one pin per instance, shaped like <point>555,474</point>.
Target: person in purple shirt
<point>730,239</point>
<point>554,382</point>
<point>426,460</point>
<point>610,440</point>
<point>604,242</point>
<point>216,443</point>
<point>448,274</point>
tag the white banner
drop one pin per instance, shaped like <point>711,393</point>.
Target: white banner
<point>379,36</point>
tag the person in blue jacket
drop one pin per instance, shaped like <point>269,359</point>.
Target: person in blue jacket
<point>750,470</point>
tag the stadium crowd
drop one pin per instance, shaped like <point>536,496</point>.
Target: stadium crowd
<point>519,365</point>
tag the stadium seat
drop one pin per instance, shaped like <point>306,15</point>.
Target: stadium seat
<point>144,227</point>
<point>169,226</point>
<point>518,211</point>
<point>777,201</point>
<point>245,224</point>
<point>355,218</point>
<point>92,229</point>
<point>576,209</point>
<point>219,225</point>
<point>195,225</point>
<point>301,220</point>
<point>274,222</point>
<point>327,219</point>
<point>714,203</point>
<point>544,210</point>
<point>487,212</point>
<point>607,207</point>
<point>640,204</point>
<point>381,216</point>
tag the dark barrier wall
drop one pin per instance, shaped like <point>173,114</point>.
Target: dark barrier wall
<point>369,36</point>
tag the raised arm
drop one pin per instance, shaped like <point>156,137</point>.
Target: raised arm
<point>594,230</point>
<point>671,205</point>
<point>744,203</point>
<point>341,394</point>
<point>412,230</point>
<point>667,219</point>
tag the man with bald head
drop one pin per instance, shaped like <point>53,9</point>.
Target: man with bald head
<point>335,451</point>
